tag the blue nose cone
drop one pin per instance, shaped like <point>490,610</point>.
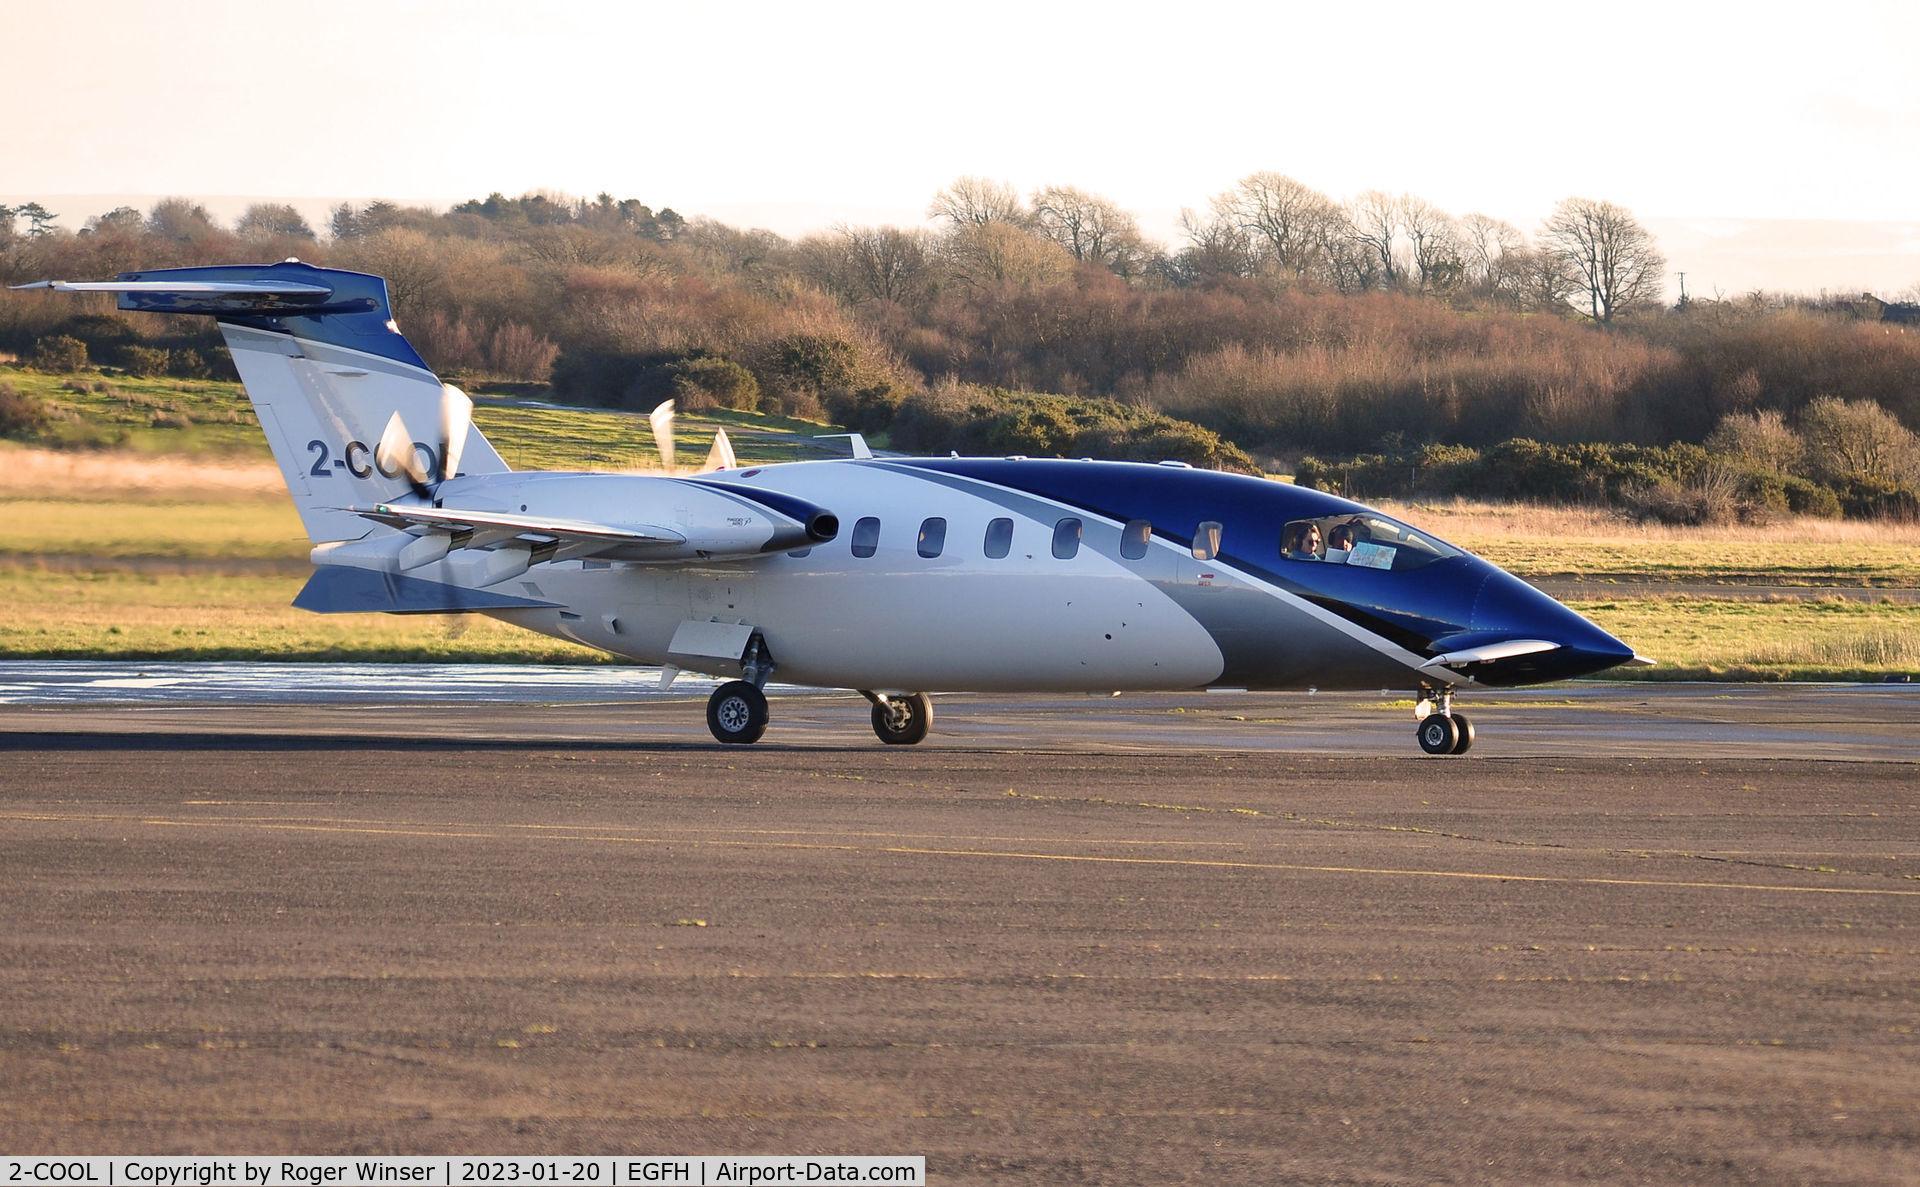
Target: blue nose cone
<point>1508,607</point>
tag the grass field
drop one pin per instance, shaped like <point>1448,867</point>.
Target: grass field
<point>180,543</point>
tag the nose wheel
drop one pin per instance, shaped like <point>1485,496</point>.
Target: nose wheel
<point>1439,728</point>
<point>900,719</point>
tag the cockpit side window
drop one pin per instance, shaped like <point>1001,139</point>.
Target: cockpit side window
<point>1362,540</point>
<point>1301,541</point>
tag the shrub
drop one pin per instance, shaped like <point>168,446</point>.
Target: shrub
<point>21,413</point>
<point>706,383</point>
<point>58,354</point>
<point>1879,498</point>
<point>1806,497</point>
<point>516,352</point>
<point>144,362</point>
<point>188,364</point>
<point>995,421</point>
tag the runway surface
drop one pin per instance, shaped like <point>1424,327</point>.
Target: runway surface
<point>1641,933</point>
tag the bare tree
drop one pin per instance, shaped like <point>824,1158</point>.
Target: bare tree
<point>1092,229</point>
<point>273,220</point>
<point>180,219</point>
<point>1214,248</point>
<point>1376,220</point>
<point>975,202</point>
<point>1538,280</point>
<point>996,254</point>
<point>859,264</point>
<point>1284,222</point>
<point>1611,257</point>
<point>1438,252</point>
<point>1487,248</point>
<point>1858,439</point>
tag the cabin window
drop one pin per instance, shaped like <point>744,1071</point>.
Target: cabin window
<point>1206,541</point>
<point>1362,540</point>
<point>1066,539</point>
<point>999,538</point>
<point>933,537</point>
<point>1134,538</point>
<point>866,536</point>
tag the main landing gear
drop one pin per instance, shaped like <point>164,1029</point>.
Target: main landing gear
<point>1439,728</point>
<point>737,710</point>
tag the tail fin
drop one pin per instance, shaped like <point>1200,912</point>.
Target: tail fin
<point>326,370</point>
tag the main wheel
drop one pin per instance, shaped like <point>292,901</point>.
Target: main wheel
<point>1465,727</point>
<point>1438,734</point>
<point>737,713</point>
<point>903,721</point>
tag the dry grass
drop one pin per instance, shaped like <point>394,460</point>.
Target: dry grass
<point>1829,638</point>
<point>117,476</point>
<point>1461,518</point>
<point>1537,541</point>
<point>99,615</point>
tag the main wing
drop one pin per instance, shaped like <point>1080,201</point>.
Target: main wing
<point>562,539</point>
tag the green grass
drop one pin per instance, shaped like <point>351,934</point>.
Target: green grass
<point>101,410</point>
<point>184,605</point>
<point>95,410</point>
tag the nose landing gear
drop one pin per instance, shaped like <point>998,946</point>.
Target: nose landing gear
<point>1439,728</point>
<point>900,720</point>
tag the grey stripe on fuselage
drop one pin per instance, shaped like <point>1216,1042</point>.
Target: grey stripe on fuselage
<point>1269,637</point>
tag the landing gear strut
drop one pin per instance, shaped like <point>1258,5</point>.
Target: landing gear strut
<point>737,711</point>
<point>900,720</point>
<point>1439,728</point>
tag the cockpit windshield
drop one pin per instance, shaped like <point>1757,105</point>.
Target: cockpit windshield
<point>1363,540</point>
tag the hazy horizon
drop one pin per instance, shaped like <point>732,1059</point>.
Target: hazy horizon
<point>1767,146</point>
<point>1722,257</point>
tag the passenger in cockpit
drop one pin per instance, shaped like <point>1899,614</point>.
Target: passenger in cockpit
<point>1305,542</point>
<point>1341,537</point>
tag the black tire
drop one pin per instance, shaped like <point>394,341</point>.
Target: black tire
<point>910,727</point>
<point>1465,727</point>
<point>737,713</point>
<point>1438,734</point>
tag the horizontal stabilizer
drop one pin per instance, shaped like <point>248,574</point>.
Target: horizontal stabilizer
<point>344,589</point>
<point>232,297</point>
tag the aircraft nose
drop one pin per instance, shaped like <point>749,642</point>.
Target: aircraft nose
<point>1510,607</point>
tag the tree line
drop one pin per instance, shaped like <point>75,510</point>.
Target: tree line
<point>1284,322</point>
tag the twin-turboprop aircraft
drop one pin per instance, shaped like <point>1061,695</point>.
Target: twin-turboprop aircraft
<point>894,577</point>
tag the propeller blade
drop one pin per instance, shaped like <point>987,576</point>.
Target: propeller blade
<point>661,419</point>
<point>720,457</point>
<point>456,417</point>
<point>396,455</point>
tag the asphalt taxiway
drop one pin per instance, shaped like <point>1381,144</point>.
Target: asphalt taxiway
<point>1639,933</point>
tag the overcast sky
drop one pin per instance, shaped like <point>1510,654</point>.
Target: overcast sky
<point>1710,121</point>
